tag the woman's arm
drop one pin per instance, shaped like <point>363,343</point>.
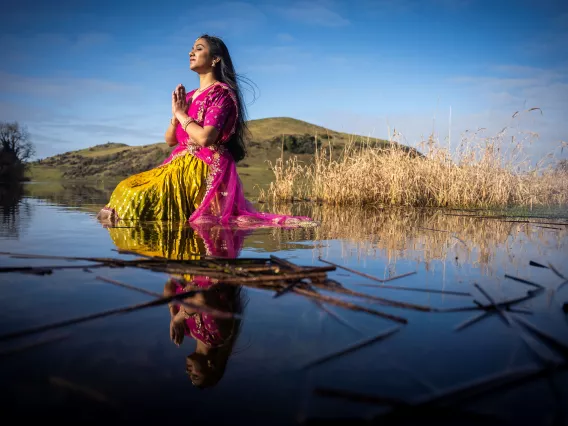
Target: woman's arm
<point>203,136</point>
<point>170,135</point>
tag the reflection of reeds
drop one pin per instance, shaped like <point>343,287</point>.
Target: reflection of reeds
<point>423,235</point>
<point>481,172</point>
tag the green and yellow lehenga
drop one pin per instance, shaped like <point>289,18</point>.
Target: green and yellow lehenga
<point>171,191</point>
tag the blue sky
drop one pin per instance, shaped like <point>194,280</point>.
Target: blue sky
<point>84,73</point>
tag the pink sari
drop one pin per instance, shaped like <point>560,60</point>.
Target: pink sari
<point>224,202</point>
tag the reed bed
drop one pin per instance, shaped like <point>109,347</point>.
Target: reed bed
<point>481,172</point>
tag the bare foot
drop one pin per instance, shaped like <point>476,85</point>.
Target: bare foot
<point>107,218</point>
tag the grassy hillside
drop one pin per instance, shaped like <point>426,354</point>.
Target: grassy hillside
<point>114,161</point>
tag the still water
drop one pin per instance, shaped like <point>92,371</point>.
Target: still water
<point>127,368</point>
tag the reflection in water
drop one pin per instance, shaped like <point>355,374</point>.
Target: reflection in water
<point>70,194</point>
<point>287,332</point>
<point>215,337</point>
<point>15,213</point>
<point>177,240</point>
<point>422,235</point>
<point>428,235</point>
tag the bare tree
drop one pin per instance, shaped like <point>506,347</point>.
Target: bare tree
<point>15,139</point>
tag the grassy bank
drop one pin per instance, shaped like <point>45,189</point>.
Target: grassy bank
<point>481,172</point>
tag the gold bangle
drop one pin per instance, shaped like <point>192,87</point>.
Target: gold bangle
<point>186,123</point>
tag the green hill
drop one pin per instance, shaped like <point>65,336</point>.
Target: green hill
<point>268,136</point>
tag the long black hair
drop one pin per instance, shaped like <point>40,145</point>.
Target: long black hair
<point>224,72</point>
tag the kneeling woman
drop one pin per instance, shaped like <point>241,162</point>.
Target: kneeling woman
<point>198,182</point>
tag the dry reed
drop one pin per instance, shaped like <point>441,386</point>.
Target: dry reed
<point>482,172</point>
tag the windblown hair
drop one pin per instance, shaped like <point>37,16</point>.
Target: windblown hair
<point>225,73</point>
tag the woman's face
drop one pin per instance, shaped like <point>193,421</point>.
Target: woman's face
<point>194,371</point>
<point>199,58</point>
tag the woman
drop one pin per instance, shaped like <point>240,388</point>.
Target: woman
<point>198,182</point>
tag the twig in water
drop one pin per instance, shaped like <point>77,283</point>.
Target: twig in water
<point>352,348</point>
<point>335,316</point>
<point>538,265</point>
<point>199,308</point>
<point>557,272</point>
<point>286,289</point>
<point>504,304</point>
<point>133,253</point>
<point>424,290</point>
<point>547,356</point>
<point>486,314</point>
<point>70,258</point>
<point>460,394</point>
<point>522,280</point>
<point>472,320</point>
<point>46,270</point>
<point>500,218</point>
<point>285,263</point>
<point>294,268</point>
<point>380,300</point>
<point>548,338</point>
<point>367,275</point>
<point>348,305</point>
<point>118,311</point>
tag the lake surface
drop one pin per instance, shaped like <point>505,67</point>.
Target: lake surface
<point>126,368</point>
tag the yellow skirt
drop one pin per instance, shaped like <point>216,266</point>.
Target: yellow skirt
<point>170,192</point>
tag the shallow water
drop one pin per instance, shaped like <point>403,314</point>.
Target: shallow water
<point>126,367</point>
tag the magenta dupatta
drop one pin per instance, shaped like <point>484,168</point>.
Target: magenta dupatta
<point>224,202</point>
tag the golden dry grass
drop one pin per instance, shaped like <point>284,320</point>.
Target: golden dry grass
<point>482,172</point>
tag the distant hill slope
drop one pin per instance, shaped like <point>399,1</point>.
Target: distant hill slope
<point>268,136</point>
<point>268,128</point>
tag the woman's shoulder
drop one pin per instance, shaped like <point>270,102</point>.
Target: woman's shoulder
<point>222,89</point>
<point>220,93</point>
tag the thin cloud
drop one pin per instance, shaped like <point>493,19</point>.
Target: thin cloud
<point>61,88</point>
<point>227,19</point>
<point>285,37</point>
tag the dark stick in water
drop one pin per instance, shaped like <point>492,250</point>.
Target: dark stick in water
<point>348,305</point>
<point>367,275</point>
<point>352,348</point>
<point>86,318</point>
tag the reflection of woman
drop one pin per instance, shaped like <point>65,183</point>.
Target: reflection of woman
<point>170,240</point>
<point>198,181</point>
<point>215,337</point>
